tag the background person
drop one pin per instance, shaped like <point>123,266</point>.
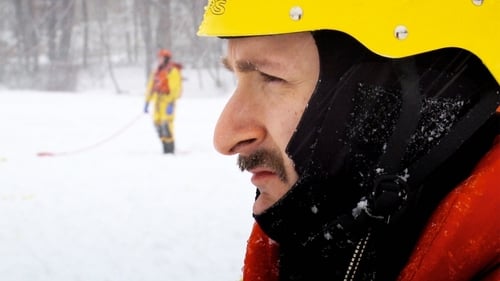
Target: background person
<point>163,89</point>
<point>373,143</point>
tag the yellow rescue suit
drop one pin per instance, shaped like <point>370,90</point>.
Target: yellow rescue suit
<point>164,88</point>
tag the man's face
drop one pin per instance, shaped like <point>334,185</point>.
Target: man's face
<point>276,76</point>
<point>163,60</point>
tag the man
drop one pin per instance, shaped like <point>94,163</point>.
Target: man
<point>371,136</point>
<point>164,88</point>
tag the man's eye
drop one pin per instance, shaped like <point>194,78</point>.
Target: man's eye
<point>270,78</point>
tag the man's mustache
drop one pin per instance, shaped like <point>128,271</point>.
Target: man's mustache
<point>264,158</point>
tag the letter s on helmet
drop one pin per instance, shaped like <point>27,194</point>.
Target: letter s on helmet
<point>390,28</point>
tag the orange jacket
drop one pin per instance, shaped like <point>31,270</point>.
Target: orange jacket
<point>462,239</point>
<point>172,75</point>
<point>460,242</point>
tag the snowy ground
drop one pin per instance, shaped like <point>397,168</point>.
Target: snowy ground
<point>106,204</point>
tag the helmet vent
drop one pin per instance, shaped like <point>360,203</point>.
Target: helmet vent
<point>478,2</point>
<point>296,13</point>
<point>401,32</point>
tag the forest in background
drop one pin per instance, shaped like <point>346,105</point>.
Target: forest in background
<point>50,44</point>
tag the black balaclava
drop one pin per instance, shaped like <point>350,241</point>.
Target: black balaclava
<point>369,117</point>
<point>164,62</point>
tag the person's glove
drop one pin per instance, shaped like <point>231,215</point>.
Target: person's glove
<point>146,107</point>
<point>170,108</point>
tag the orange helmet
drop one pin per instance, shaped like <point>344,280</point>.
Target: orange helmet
<point>164,53</point>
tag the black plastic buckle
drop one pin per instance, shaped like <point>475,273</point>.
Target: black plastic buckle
<point>389,196</point>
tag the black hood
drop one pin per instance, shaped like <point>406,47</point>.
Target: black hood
<point>370,116</point>
<point>370,112</point>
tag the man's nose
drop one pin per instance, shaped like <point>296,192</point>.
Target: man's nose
<point>238,130</point>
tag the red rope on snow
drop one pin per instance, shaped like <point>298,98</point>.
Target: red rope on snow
<point>92,146</point>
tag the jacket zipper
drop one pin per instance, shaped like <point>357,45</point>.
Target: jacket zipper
<point>356,258</point>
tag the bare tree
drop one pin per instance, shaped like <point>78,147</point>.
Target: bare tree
<point>26,36</point>
<point>104,37</point>
<point>163,28</point>
<point>61,73</point>
<point>85,22</point>
<point>143,8</point>
<point>67,18</point>
<point>47,43</point>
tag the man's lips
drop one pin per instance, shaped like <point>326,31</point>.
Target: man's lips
<point>260,175</point>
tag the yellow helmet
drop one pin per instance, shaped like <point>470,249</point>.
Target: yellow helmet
<point>390,28</point>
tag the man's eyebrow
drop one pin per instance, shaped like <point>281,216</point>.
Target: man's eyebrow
<point>226,64</point>
<point>242,66</point>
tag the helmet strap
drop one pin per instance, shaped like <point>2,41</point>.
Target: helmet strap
<point>395,186</point>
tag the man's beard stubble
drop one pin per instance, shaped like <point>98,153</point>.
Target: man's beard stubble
<point>264,158</point>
